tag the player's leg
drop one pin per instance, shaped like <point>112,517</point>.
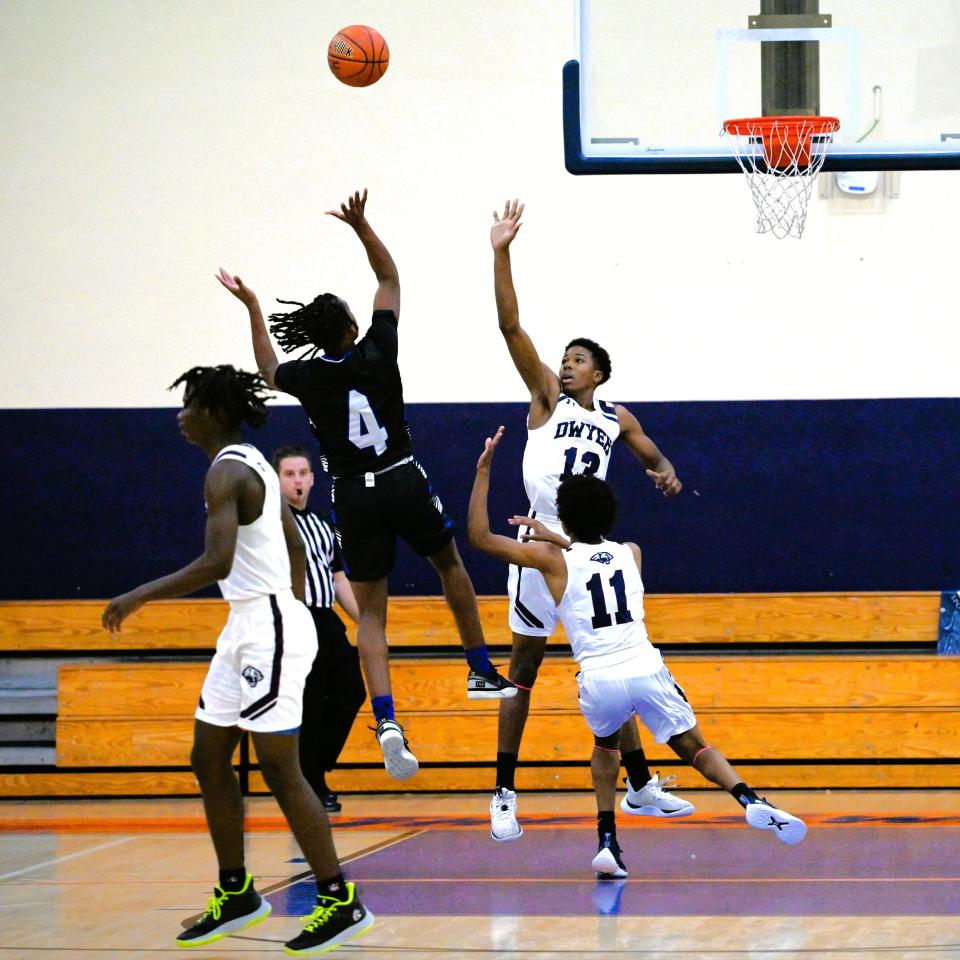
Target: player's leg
<point>526,655</point>
<point>418,516</point>
<point>339,915</point>
<point>759,812</point>
<point>371,597</point>
<point>235,903</point>
<point>662,705</point>
<point>646,795</point>
<point>604,768</point>
<point>532,617</point>
<point>212,762</point>
<point>483,681</point>
<point>272,712</point>
<point>368,544</point>
<point>605,705</point>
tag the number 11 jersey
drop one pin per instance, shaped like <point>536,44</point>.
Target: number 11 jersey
<point>355,402</point>
<point>602,609</point>
<point>573,440</point>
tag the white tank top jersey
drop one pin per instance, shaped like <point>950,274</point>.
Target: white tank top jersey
<point>261,564</point>
<point>573,440</point>
<point>602,608</point>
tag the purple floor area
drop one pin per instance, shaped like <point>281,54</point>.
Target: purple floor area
<point>839,871</point>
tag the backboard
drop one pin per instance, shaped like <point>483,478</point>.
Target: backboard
<point>652,81</point>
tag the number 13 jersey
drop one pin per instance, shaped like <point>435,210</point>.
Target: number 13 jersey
<point>573,440</point>
<point>602,608</point>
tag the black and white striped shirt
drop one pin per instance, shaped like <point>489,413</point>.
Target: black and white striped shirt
<point>323,557</point>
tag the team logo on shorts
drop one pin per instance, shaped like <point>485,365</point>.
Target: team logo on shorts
<point>252,675</point>
<point>602,557</point>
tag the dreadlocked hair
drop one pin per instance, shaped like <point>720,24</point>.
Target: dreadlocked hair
<point>320,325</point>
<point>237,396</point>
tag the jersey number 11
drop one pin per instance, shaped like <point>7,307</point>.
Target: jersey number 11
<point>601,618</point>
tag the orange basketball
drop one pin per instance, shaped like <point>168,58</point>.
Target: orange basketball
<point>358,56</point>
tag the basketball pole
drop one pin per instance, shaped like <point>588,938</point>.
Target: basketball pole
<point>790,69</point>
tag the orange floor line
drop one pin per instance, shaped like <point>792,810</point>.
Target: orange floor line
<point>532,822</point>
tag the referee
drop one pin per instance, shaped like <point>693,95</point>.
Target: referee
<point>334,690</point>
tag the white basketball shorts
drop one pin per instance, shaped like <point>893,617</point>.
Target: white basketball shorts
<point>533,611</point>
<point>256,677</point>
<point>610,696</point>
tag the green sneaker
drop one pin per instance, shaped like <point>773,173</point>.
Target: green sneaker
<point>226,913</point>
<point>332,923</point>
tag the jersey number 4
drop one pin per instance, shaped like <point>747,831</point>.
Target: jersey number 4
<point>601,618</point>
<point>365,431</point>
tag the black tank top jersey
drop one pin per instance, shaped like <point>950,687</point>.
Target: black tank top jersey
<point>355,402</point>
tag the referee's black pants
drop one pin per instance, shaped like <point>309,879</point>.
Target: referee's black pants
<point>333,695</point>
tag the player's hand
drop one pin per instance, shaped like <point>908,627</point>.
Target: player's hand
<point>119,609</point>
<point>538,532</point>
<point>351,212</point>
<point>237,287</point>
<point>490,444</point>
<point>505,228</point>
<point>666,481</point>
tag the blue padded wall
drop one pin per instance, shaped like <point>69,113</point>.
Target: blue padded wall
<point>848,495</point>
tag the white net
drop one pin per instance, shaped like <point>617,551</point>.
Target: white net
<point>780,158</point>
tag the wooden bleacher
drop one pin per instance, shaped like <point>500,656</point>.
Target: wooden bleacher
<point>787,716</point>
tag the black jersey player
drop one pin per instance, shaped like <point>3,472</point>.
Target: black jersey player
<point>351,389</point>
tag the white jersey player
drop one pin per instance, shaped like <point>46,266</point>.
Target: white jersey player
<point>596,587</point>
<point>569,432</point>
<point>256,678</point>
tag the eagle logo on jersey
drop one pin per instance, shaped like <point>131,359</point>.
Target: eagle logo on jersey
<point>252,675</point>
<point>602,557</point>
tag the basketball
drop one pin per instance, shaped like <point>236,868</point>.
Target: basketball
<point>358,56</point>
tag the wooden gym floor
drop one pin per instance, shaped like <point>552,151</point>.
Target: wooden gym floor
<point>877,878</point>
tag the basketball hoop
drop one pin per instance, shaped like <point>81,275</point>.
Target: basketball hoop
<point>781,157</point>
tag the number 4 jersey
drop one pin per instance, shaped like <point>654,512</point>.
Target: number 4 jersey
<point>573,440</point>
<point>355,402</point>
<point>602,609</point>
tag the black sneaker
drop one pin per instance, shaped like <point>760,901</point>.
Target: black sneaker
<point>489,686</point>
<point>226,913</point>
<point>332,923</point>
<point>607,862</point>
<point>331,802</point>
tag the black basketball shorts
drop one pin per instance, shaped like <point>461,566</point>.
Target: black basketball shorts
<point>369,519</point>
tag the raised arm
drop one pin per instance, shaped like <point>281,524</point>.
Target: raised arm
<point>540,380</point>
<point>220,540</point>
<point>387,296</point>
<point>544,557</point>
<point>659,468</point>
<point>263,351</point>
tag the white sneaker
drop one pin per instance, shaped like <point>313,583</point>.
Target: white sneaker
<point>762,815</point>
<point>398,760</point>
<point>652,800</point>
<point>503,815</point>
<point>608,863</point>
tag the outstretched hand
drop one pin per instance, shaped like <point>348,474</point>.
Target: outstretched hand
<point>538,532</point>
<point>505,228</point>
<point>237,287</point>
<point>490,445</point>
<point>119,609</point>
<point>351,212</point>
<point>666,482</point>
